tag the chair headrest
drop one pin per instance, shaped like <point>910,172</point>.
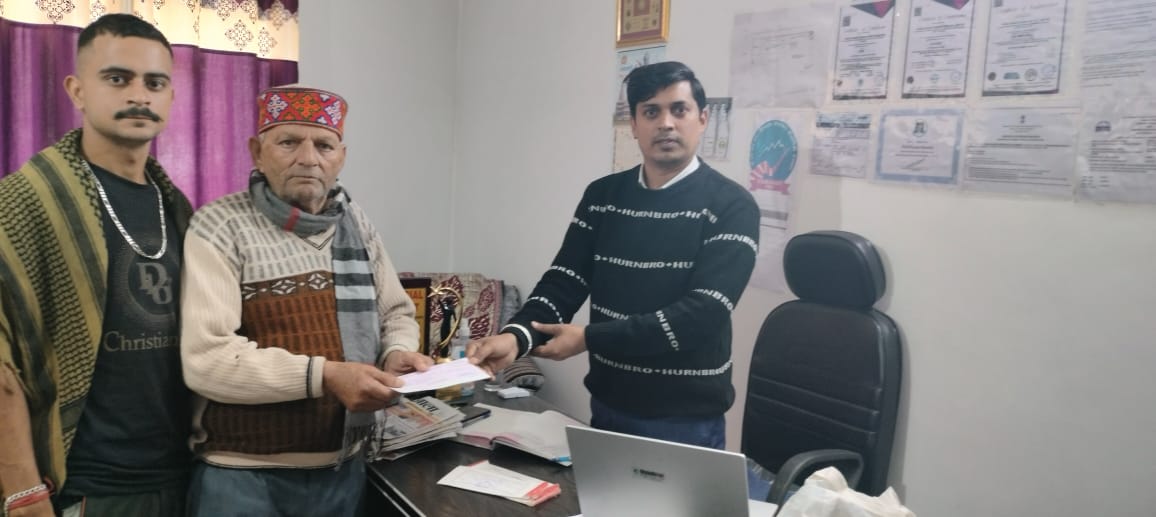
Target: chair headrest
<point>834,267</point>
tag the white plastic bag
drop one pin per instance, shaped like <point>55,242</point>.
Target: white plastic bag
<point>825,494</point>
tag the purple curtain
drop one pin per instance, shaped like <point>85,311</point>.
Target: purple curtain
<point>34,109</point>
<point>204,146</point>
<point>214,112</point>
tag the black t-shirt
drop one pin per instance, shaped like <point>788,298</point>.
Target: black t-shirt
<point>133,434</point>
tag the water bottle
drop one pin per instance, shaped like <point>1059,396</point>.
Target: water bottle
<point>458,350</point>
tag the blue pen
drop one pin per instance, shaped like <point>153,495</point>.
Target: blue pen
<point>561,459</point>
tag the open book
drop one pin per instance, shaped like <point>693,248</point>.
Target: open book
<point>541,434</point>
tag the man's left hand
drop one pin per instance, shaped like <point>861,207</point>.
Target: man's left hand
<point>569,340</point>
<point>403,361</point>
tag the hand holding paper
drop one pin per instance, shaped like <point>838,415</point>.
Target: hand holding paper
<point>442,375</point>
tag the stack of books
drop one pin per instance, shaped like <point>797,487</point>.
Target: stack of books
<point>410,425</point>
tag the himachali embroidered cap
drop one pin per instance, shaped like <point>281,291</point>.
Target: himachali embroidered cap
<point>297,104</point>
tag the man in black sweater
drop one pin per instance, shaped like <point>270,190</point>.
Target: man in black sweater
<point>664,250</point>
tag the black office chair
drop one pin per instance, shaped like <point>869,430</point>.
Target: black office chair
<point>824,381</point>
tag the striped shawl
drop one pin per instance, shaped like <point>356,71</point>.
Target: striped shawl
<point>53,275</point>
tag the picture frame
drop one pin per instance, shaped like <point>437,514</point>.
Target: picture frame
<point>642,22</point>
<point>419,289</point>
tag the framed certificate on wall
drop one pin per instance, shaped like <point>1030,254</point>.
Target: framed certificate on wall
<point>643,22</point>
<point>418,290</point>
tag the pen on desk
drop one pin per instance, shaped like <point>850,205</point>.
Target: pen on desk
<point>561,459</point>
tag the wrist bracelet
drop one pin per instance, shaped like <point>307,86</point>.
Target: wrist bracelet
<point>26,497</point>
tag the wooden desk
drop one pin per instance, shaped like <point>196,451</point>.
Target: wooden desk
<point>408,486</point>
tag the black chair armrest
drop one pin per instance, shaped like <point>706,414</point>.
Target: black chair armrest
<point>848,462</point>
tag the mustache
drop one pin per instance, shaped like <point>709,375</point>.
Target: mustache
<point>664,138</point>
<point>137,111</point>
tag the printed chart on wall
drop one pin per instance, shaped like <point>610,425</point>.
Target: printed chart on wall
<point>1021,151</point>
<point>919,146</point>
<point>716,139</point>
<point>863,50</point>
<point>938,47</point>
<point>1025,44</point>
<point>778,58</point>
<point>774,159</point>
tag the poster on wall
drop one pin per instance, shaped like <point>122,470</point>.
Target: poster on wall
<point>1021,151</point>
<point>863,50</point>
<point>1118,52</point>
<point>919,146</point>
<point>778,58</point>
<point>716,138</point>
<point>938,48</point>
<point>626,61</point>
<point>626,151</point>
<point>1117,161</point>
<point>1025,47</point>
<point>774,162</point>
<point>841,144</point>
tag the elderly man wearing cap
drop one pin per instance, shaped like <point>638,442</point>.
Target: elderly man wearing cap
<point>294,324</point>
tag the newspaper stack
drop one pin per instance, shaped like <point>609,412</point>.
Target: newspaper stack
<point>411,424</point>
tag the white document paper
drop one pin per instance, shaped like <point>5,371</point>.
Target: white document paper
<point>1025,43</point>
<point>919,146</point>
<point>442,375</point>
<point>1022,151</point>
<point>778,58</point>
<point>938,47</point>
<point>490,479</point>
<point>1117,159</point>
<point>863,50</point>
<point>842,144</point>
<point>1119,50</point>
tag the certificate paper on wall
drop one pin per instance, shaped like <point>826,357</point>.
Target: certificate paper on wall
<point>938,47</point>
<point>842,144</point>
<point>1021,151</point>
<point>779,58</point>
<point>1119,52</point>
<point>1025,44</point>
<point>627,61</point>
<point>863,50</point>
<point>919,146</point>
<point>774,158</point>
<point>1117,160</point>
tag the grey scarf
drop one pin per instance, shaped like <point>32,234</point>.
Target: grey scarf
<point>357,317</point>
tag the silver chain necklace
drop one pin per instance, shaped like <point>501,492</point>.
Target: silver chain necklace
<point>120,227</point>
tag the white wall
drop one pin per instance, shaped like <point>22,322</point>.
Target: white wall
<point>1027,325</point>
<point>395,62</point>
<point>532,132</point>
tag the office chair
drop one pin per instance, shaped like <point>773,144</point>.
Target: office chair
<point>824,381</point>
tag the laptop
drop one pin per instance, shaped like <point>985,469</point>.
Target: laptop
<point>620,474</point>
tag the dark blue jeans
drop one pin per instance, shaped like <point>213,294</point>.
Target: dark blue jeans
<point>218,491</point>
<point>701,431</point>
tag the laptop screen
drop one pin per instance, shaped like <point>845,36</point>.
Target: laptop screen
<point>619,474</point>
